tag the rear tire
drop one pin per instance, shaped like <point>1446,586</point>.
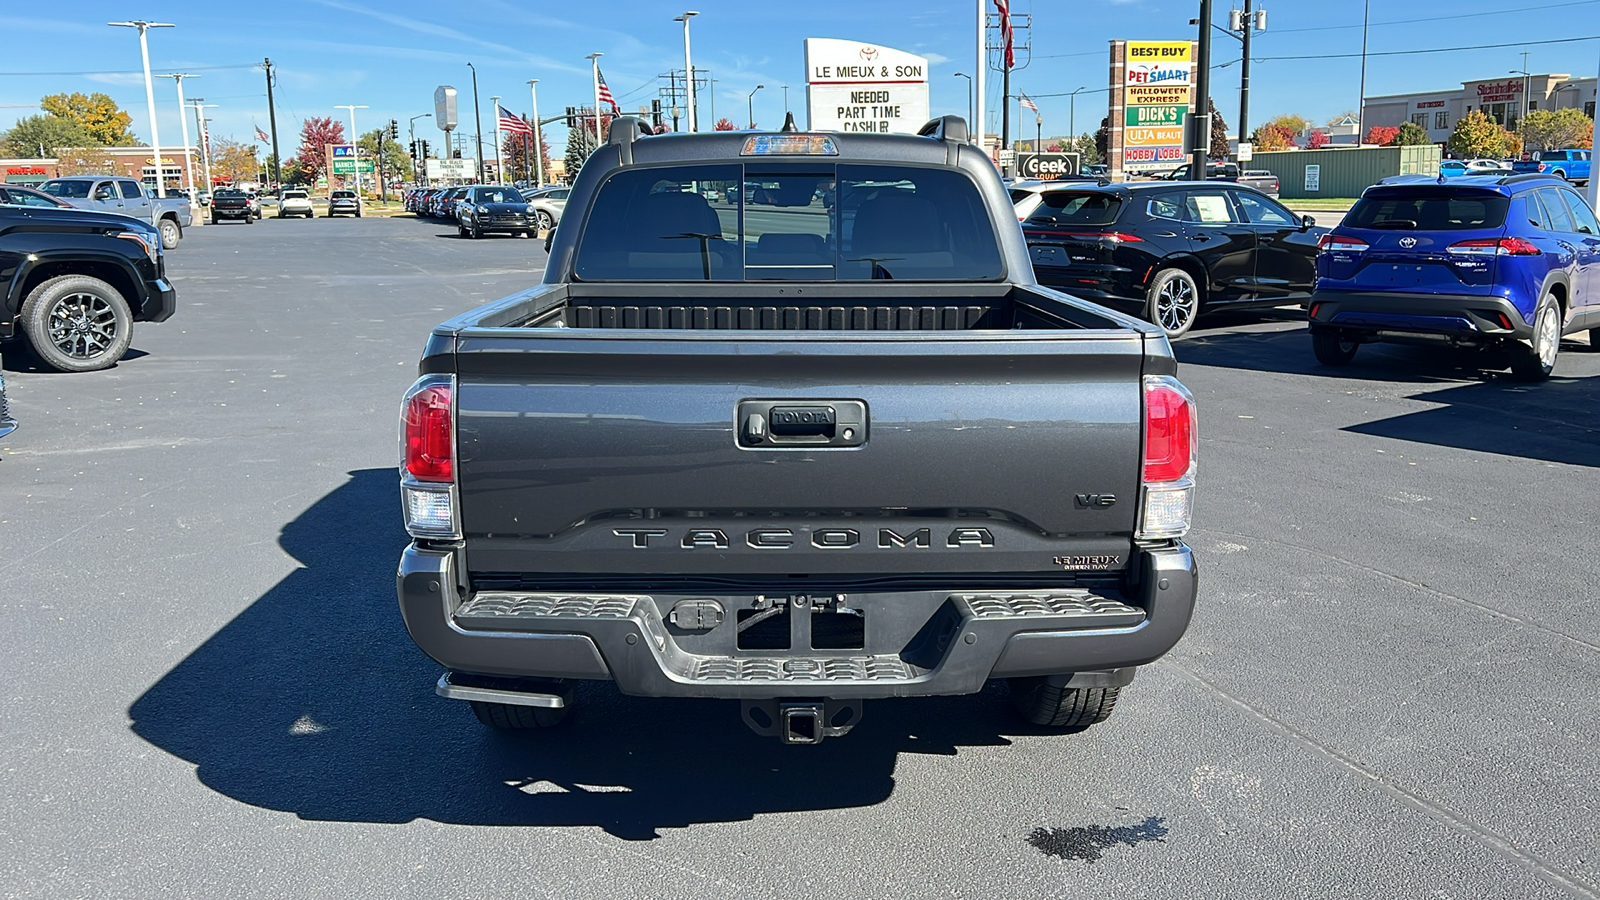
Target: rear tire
<point>1333,348</point>
<point>1069,709</point>
<point>1172,302</point>
<point>1537,361</point>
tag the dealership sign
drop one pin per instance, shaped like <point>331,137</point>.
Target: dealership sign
<point>851,86</point>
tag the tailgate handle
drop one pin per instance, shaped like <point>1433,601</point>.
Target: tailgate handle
<point>782,424</point>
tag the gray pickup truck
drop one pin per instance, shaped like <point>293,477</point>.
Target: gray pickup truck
<point>790,422</point>
<point>127,197</point>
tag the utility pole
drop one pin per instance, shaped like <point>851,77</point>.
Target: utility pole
<point>1201,134</point>
<point>1244,77</point>
<point>1361,110</point>
<point>477,121</point>
<point>272,123</point>
<point>150,96</point>
<point>417,166</point>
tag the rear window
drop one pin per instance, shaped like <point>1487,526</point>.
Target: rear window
<point>71,190</point>
<point>344,195</point>
<point>1425,208</point>
<point>1076,208</point>
<point>817,221</point>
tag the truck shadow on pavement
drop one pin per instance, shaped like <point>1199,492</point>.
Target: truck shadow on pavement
<point>314,701</point>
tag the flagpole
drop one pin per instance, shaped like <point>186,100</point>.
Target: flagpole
<point>594,59</point>
<point>983,66</point>
<point>538,145</point>
<point>499,167</point>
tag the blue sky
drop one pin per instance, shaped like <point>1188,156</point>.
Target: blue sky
<point>392,55</point>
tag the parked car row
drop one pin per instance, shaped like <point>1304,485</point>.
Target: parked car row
<point>489,208</point>
<point>126,197</point>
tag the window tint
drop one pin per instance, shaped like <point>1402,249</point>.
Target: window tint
<point>1261,211</point>
<point>1429,208</point>
<point>1537,217</point>
<point>560,195</point>
<point>1207,207</point>
<point>1077,208</point>
<point>818,221</point>
<point>1166,206</point>
<point>499,195</point>
<point>1582,215</point>
<point>70,190</point>
<point>130,190</point>
<point>1556,212</point>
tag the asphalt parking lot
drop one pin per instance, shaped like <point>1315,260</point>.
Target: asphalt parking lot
<point>1389,689</point>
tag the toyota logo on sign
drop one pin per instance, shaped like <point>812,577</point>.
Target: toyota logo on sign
<point>869,53</point>
<point>1408,242</point>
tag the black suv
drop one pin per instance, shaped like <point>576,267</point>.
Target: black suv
<point>76,282</point>
<point>491,208</point>
<point>1172,250</point>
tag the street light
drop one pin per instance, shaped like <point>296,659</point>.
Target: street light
<point>750,103</point>
<point>1525,76</point>
<point>1072,112</point>
<point>183,122</point>
<point>354,152</point>
<point>688,76</point>
<point>411,134</point>
<point>199,105</point>
<point>969,94</point>
<point>477,121</point>
<point>150,93</point>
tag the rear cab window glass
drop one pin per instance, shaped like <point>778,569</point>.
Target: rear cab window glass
<point>815,221</point>
<point>1077,208</point>
<point>1429,208</point>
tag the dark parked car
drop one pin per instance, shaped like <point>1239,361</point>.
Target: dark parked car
<point>1171,251</point>
<point>76,281</point>
<point>17,195</point>
<point>344,203</point>
<point>231,204</point>
<point>493,208</point>
<point>1508,261</point>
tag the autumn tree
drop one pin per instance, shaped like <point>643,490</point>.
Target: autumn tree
<point>84,161</point>
<point>315,136</point>
<point>1382,135</point>
<point>725,125</point>
<point>43,136</point>
<point>100,116</point>
<point>1410,134</point>
<point>1219,135</point>
<point>1478,135</point>
<point>520,160</point>
<point>1270,137</point>
<point>1556,129</point>
<point>234,160</point>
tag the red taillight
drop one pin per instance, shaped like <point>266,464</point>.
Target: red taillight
<point>1333,243</point>
<point>430,450</point>
<point>1169,434</point>
<point>1511,246</point>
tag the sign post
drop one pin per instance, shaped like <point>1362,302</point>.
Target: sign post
<point>851,86</point>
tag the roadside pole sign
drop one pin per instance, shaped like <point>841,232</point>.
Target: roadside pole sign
<point>851,86</point>
<point>1046,166</point>
<point>1152,103</point>
<point>1247,151</point>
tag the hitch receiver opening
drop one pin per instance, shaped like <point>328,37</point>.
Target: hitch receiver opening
<point>801,721</point>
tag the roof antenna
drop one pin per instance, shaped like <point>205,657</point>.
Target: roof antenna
<point>788,124</point>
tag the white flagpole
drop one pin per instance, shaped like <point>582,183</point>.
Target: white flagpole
<point>983,65</point>
<point>499,167</point>
<point>594,58</point>
<point>538,145</point>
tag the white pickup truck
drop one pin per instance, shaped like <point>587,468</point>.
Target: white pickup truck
<point>127,197</point>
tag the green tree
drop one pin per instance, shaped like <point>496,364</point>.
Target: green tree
<point>1556,129</point>
<point>99,115</point>
<point>396,160</point>
<point>43,136</point>
<point>1088,153</point>
<point>1411,135</point>
<point>1476,135</point>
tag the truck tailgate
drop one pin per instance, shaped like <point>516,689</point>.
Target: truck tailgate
<point>627,453</point>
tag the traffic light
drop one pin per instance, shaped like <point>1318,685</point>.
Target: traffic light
<point>394,130</point>
<point>572,117</point>
<point>426,153</point>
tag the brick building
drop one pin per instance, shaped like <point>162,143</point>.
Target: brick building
<point>132,162</point>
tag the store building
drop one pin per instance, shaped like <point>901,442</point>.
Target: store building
<point>1505,100</point>
<point>132,162</point>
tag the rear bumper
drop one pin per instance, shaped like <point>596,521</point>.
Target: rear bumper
<point>231,213</point>
<point>1466,316</point>
<point>964,639</point>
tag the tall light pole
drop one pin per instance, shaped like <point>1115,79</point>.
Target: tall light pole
<point>477,121</point>
<point>199,106</point>
<point>969,94</point>
<point>183,122</point>
<point>1525,76</point>
<point>982,66</point>
<point>538,130</point>
<point>785,99</point>
<point>1072,112</point>
<point>688,73</point>
<point>1361,110</point>
<point>1200,133</point>
<point>416,160</point>
<point>150,94</point>
<point>499,165</point>
<point>355,152</point>
<point>750,104</point>
<point>594,65</point>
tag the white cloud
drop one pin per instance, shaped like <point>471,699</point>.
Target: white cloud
<point>939,59</point>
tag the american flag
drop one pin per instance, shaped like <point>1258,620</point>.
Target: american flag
<point>605,93</point>
<point>1005,30</point>
<point>1027,103</point>
<point>511,124</point>
<point>262,135</point>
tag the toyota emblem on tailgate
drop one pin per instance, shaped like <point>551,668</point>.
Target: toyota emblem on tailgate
<point>1408,242</point>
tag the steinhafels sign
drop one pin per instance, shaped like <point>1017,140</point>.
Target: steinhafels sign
<point>1046,166</point>
<point>851,86</point>
<point>1498,91</point>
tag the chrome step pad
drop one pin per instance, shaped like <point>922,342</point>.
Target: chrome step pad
<point>802,668</point>
<point>505,604</point>
<point>1104,611</point>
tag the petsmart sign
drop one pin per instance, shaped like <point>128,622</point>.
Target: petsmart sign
<point>851,86</point>
<point>1157,94</point>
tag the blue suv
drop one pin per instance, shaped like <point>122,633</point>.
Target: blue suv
<point>1511,261</point>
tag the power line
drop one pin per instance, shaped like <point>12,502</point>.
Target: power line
<point>1428,50</point>
<point>1435,19</point>
<point>127,71</point>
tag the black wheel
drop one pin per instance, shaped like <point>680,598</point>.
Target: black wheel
<point>1560,174</point>
<point>76,323</point>
<point>477,232</point>
<point>213,220</point>
<point>545,220</point>
<point>1333,348</point>
<point>461,230</point>
<point>1172,302</point>
<point>358,213</point>
<point>1536,361</point>
<point>1074,709</point>
<point>249,219</point>
<point>170,234</point>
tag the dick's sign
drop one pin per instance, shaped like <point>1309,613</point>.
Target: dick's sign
<point>1046,166</point>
